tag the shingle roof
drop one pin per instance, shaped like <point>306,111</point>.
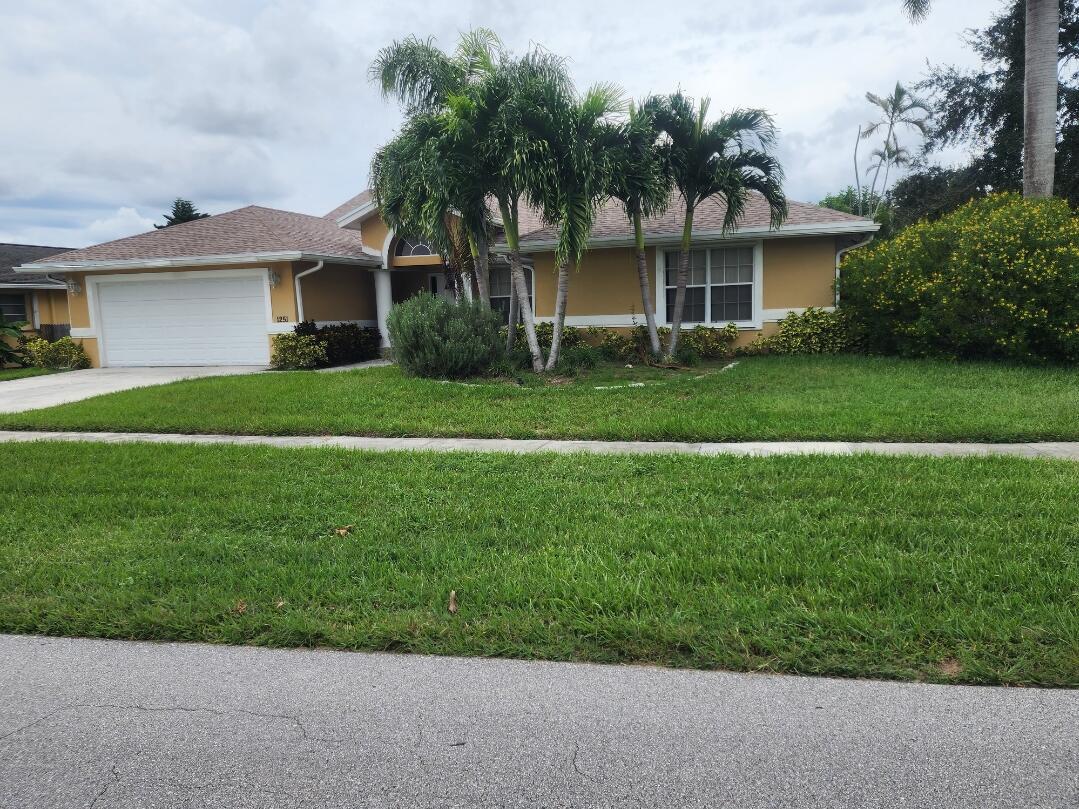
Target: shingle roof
<point>611,222</point>
<point>12,255</point>
<point>350,205</point>
<point>250,230</point>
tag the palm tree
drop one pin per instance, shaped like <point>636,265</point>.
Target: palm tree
<point>425,80</point>
<point>581,136</point>
<point>728,159</point>
<point>898,109</point>
<point>891,154</point>
<point>1041,41</point>
<point>641,181</point>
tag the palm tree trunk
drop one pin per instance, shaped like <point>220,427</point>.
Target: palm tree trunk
<point>511,330</point>
<point>683,277</point>
<point>559,315</point>
<point>520,285</point>
<point>480,260</point>
<point>857,178</point>
<point>1040,97</point>
<point>883,191</point>
<point>646,292</point>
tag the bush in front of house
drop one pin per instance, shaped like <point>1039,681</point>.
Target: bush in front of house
<point>814,331</point>
<point>295,351</point>
<point>60,355</point>
<point>995,279</point>
<point>345,343</point>
<point>571,337</point>
<point>700,342</point>
<point>439,338</point>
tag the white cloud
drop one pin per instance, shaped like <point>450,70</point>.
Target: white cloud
<point>123,105</point>
<point>123,222</point>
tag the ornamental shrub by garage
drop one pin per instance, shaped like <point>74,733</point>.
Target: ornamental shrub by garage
<point>345,343</point>
<point>996,279</point>
<point>435,337</point>
<point>60,355</point>
<point>297,351</point>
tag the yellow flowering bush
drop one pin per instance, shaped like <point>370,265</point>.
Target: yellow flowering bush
<point>997,278</point>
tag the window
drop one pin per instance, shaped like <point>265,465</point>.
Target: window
<point>719,288</point>
<point>500,289</point>
<point>13,308</point>
<point>412,246</point>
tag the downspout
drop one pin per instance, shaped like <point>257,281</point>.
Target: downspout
<point>299,291</point>
<point>839,257</point>
<point>36,311</point>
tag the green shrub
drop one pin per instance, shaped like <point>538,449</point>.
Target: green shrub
<point>814,331</point>
<point>571,337</point>
<point>708,342</point>
<point>436,337</point>
<point>12,344</point>
<point>577,358</point>
<point>702,342</point>
<point>345,343</point>
<point>297,351</point>
<point>995,279</point>
<point>60,355</point>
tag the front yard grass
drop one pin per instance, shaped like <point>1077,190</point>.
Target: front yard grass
<point>950,570</point>
<point>767,398</point>
<point>21,373</point>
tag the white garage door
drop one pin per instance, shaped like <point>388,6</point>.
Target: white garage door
<point>197,320</point>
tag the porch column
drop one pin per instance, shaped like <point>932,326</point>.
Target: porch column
<point>383,302</point>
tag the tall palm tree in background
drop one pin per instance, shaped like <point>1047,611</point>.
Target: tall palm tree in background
<point>582,137</point>
<point>425,80</point>
<point>890,154</point>
<point>726,159</point>
<point>1041,40</point>
<point>641,181</point>
<point>898,109</point>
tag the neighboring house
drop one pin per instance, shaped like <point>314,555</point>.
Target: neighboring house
<point>36,298</point>
<point>215,291</point>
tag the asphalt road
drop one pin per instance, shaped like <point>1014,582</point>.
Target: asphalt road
<point>87,723</point>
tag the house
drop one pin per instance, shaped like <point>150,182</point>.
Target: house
<point>216,291</point>
<point>38,299</point>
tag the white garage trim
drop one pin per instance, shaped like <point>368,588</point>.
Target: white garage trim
<point>95,283</point>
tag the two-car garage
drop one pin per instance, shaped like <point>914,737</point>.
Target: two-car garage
<point>196,318</point>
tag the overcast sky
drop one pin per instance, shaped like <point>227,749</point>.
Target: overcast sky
<point>114,107</point>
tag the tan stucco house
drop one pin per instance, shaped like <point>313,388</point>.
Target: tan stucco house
<point>38,299</point>
<point>215,291</point>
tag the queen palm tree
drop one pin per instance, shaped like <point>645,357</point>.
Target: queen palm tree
<point>641,181</point>
<point>897,109</point>
<point>725,159</point>
<point>582,138</point>
<point>1041,40</point>
<point>891,154</point>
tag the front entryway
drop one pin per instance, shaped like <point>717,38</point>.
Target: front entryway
<point>187,319</point>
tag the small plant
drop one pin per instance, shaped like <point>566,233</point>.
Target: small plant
<point>577,358</point>
<point>438,338</point>
<point>12,348</point>
<point>814,331</point>
<point>61,355</point>
<point>704,343</point>
<point>297,352</point>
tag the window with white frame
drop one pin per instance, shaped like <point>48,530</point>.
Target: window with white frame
<point>413,246</point>
<point>13,308</point>
<point>719,288</point>
<point>499,281</point>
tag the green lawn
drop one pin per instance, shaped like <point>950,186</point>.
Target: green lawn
<point>837,398</point>
<point>20,373</point>
<point>962,570</point>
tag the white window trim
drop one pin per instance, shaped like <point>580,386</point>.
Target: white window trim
<point>93,300</point>
<point>757,321</point>
<point>531,271</point>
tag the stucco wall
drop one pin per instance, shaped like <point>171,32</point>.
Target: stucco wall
<point>339,292</point>
<point>605,284</point>
<point>799,272</point>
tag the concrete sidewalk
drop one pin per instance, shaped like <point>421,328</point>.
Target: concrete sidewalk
<point>1066,450</point>
<point>121,724</point>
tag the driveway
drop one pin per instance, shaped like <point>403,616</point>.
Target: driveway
<point>34,392</point>
<point>115,723</point>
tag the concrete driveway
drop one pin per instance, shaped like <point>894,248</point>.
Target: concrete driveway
<point>34,392</point>
<point>120,724</point>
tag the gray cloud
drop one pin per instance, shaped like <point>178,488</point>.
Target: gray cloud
<point>122,105</point>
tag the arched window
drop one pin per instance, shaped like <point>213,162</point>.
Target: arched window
<point>412,246</point>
